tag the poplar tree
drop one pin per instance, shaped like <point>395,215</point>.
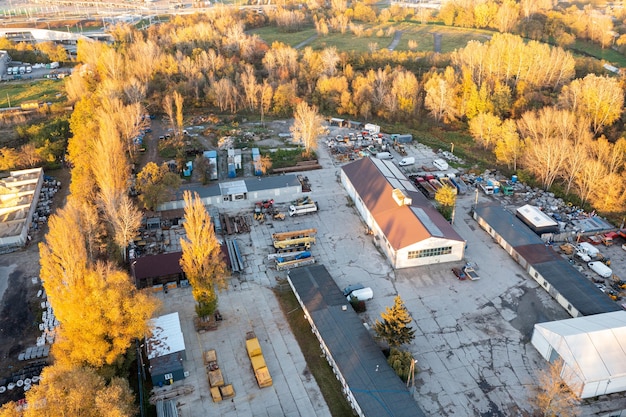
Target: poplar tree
<point>99,309</point>
<point>307,126</point>
<point>202,259</point>
<point>394,328</point>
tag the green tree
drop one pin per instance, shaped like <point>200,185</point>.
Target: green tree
<point>401,361</point>
<point>394,328</point>
<point>202,259</point>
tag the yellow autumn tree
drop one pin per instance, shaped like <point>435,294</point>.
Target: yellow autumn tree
<point>155,183</point>
<point>202,259</point>
<point>307,126</point>
<point>446,198</point>
<point>263,164</point>
<point>100,317</point>
<point>99,309</point>
<point>552,396</point>
<point>75,391</point>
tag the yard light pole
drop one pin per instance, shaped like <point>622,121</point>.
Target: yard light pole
<point>139,374</point>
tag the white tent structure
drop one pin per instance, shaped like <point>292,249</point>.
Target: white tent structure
<point>593,349</point>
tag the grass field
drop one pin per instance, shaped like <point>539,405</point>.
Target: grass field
<point>321,370</point>
<point>451,38</point>
<point>271,34</point>
<point>595,51</point>
<point>343,42</point>
<point>17,92</point>
<point>350,42</point>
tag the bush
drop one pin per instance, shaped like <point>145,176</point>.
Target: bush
<point>357,305</point>
<point>400,361</point>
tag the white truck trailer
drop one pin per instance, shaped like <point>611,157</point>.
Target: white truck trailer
<point>303,209</point>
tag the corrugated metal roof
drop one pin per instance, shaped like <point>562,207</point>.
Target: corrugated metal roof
<point>592,224</point>
<point>233,187</point>
<point>374,180</point>
<point>241,186</point>
<point>166,336</point>
<point>166,408</point>
<point>376,387</point>
<point>595,346</point>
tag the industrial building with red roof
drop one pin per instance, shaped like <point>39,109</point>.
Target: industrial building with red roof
<point>405,224</point>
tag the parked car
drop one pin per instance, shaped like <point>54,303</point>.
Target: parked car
<point>459,273</point>
<point>350,288</point>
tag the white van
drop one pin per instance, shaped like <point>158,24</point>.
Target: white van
<point>407,161</point>
<point>440,164</point>
<point>600,269</point>
<point>589,249</point>
<point>363,294</point>
<point>384,155</point>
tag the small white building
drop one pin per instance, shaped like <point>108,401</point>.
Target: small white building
<point>165,349</point>
<point>19,195</point>
<point>593,350</point>
<point>537,220</point>
<point>406,226</point>
<point>234,157</point>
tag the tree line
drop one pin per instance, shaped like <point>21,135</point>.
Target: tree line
<point>491,88</point>
<point>519,99</point>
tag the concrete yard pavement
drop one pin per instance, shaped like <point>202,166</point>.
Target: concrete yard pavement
<point>245,306</point>
<point>472,337</point>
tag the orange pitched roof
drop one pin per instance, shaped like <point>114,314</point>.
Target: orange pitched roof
<point>403,225</point>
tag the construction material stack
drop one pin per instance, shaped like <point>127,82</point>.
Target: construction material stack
<point>292,248</point>
<point>219,390</point>
<point>262,374</point>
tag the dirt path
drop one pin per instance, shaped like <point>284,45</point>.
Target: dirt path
<point>396,40</point>
<point>305,42</point>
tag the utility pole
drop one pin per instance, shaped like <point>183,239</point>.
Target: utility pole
<point>139,376</point>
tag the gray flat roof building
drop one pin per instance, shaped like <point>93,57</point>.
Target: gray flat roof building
<point>568,286</point>
<point>238,193</point>
<point>369,383</point>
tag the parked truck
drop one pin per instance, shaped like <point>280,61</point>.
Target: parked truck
<point>303,209</point>
<point>262,374</point>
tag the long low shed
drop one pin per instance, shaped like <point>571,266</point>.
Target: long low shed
<point>568,286</point>
<point>369,383</point>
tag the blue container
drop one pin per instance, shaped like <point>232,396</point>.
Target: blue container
<point>232,173</point>
<point>514,178</point>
